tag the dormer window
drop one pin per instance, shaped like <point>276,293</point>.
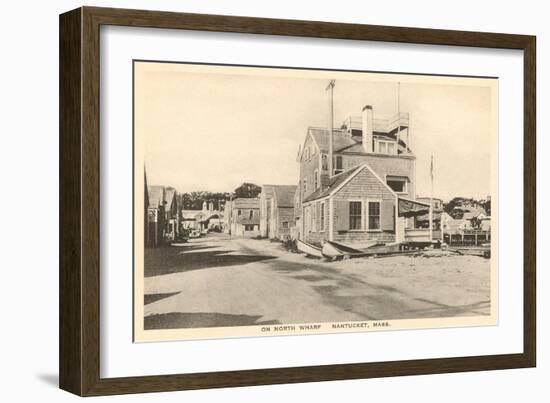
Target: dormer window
<point>386,147</point>
<point>397,183</point>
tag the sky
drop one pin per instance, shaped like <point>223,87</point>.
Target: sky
<point>215,127</point>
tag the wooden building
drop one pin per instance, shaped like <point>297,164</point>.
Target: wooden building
<point>242,217</point>
<point>357,183</point>
<point>171,211</point>
<point>281,219</point>
<point>155,216</point>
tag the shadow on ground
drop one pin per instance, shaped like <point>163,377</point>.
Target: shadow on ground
<point>183,320</point>
<point>177,260</point>
<point>150,298</point>
<point>374,301</point>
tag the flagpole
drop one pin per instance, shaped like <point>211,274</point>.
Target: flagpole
<point>431,196</point>
<point>330,87</point>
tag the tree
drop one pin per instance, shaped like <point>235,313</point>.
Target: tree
<point>248,190</point>
<point>449,208</point>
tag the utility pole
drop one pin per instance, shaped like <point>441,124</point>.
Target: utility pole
<point>330,88</point>
<point>398,117</point>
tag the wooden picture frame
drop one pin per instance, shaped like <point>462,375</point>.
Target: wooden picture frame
<point>79,348</point>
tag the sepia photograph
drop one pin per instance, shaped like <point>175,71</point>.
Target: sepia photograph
<point>280,201</point>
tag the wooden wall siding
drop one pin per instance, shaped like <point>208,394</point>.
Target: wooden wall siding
<point>307,169</point>
<point>319,235</point>
<point>382,165</point>
<point>362,187</point>
<point>276,223</point>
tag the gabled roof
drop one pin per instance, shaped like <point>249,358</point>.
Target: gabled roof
<point>169,195</point>
<point>334,182</point>
<point>246,203</point>
<point>268,191</point>
<point>341,140</point>
<point>284,195</point>
<point>189,214</point>
<point>474,212</point>
<point>156,196</point>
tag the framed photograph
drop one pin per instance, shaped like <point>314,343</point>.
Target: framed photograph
<point>249,201</point>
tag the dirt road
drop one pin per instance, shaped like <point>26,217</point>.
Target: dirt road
<point>223,281</point>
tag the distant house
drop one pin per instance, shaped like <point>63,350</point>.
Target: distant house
<point>242,216</point>
<point>155,216</point>
<point>189,219</point>
<point>472,228</point>
<point>281,220</point>
<point>437,204</point>
<point>171,212</point>
<point>423,221</point>
<point>473,213</point>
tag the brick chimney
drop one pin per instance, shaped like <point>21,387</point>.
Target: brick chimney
<point>367,129</point>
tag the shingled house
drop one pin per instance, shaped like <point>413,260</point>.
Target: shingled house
<point>155,216</point>
<point>171,212</point>
<point>365,190</point>
<point>277,218</point>
<point>281,220</point>
<point>242,217</point>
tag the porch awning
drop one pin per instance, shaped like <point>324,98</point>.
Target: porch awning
<point>411,208</point>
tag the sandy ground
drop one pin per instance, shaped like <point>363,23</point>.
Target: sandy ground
<point>222,281</point>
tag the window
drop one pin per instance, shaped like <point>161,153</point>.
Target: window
<point>251,214</point>
<point>397,184</point>
<point>285,224</point>
<point>386,147</point>
<point>249,227</point>
<point>324,162</point>
<point>239,212</point>
<point>316,179</point>
<point>322,217</point>
<point>339,165</point>
<point>355,215</point>
<point>374,215</point>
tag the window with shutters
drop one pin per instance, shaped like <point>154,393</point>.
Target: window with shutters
<point>251,214</point>
<point>355,217</point>
<point>373,215</point>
